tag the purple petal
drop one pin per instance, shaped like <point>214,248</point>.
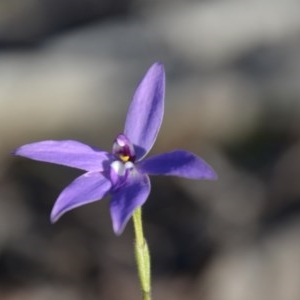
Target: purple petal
<point>146,110</point>
<point>85,189</point>
<point>126,199</point>
<point>68,153</point>
<point>178,163</point>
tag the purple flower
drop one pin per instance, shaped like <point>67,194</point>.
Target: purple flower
<point>124,172</point>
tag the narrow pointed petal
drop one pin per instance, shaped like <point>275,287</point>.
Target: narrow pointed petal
<point>126,199</point>
<point>85,189</point>
<point>146,111</point>
<point>177,163</point>
<point>68,153</point>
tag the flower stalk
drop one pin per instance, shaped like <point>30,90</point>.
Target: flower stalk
<point>142,255</point>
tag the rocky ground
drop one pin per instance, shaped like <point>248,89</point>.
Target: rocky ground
<point>68,70</point>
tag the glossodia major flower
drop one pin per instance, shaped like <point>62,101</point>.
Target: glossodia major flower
<point>123,173</point>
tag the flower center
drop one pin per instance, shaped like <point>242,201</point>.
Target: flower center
<point>124,158</point>
<point>123,149</point>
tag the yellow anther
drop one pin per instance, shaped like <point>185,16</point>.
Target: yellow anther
<point>124,157</point>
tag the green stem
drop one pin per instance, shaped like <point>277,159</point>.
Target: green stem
<point>142,255</point>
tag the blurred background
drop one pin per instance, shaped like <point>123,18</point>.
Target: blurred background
<point>68,70</point>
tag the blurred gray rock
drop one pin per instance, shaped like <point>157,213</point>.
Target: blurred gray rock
<point>214,33</point>
<point>30,21</point>
<point>267,270</point>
